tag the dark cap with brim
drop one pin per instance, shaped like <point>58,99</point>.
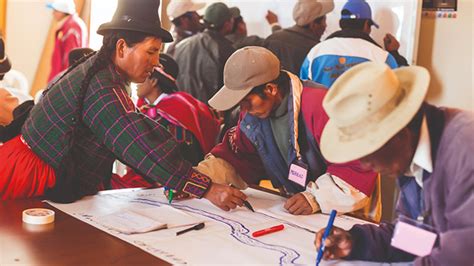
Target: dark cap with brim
<point>217,14</point>
<point>167,74</point>
<point>5,65</point>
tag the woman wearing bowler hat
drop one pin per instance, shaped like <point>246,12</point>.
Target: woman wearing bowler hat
<point>86,121</point>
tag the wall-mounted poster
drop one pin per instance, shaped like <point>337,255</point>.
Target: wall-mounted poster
<point>440,8</point>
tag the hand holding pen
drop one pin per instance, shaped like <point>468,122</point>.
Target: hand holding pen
<point>225,197</point>
<point>246,203</point>
<point>336,245</point>
<point>176,195</point>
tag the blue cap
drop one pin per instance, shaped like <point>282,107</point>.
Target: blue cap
<point>358,9</point>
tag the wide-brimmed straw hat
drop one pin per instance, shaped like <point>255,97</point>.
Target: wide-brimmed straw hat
<point>367,106</point>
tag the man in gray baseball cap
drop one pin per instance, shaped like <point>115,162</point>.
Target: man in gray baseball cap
<point>277,138</point>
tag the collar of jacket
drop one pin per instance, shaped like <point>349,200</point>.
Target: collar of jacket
<point>304,32</point>
<point>352,34</point>
<point>436,119</point>
<point>294,107</point>
<point>181,34</point>
<point>215,34</point>
<point>117,78</point>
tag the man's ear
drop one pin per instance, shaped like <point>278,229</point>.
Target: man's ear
<point>271,89</point>
<point>120,48</point>
<point>367,26</point>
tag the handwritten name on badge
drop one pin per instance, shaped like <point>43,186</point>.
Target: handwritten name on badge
<point>298,174</point>
<point>412,239</point>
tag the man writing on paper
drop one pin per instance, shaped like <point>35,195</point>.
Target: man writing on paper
<point>278,133</point>
<point>379,116</point>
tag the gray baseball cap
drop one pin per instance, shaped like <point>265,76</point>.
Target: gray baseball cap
<point>245,69</point>
<point>305,11</point>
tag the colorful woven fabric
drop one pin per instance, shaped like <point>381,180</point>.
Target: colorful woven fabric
<point>111,129</point>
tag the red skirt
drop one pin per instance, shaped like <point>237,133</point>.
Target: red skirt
<point>22,173</point>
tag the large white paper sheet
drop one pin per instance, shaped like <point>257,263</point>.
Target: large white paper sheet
<point>226,237</point>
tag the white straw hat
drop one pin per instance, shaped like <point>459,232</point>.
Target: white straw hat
<point>177,8</point>
<point>367,106</point>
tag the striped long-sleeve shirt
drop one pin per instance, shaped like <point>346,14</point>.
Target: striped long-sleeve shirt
<point>110,129</point>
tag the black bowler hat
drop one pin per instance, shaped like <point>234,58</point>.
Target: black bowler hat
<point>137,15</point>
<point>5,65</point>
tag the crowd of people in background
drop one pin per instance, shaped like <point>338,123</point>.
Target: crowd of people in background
<point>222,107</point>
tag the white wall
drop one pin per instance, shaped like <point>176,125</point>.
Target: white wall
<point>445,45</point>
<point>254,11</point>
<point>27,24</point>
<point>102,11</point>
<point>445,48</point>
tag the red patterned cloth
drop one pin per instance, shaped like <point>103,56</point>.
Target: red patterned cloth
<point>182,110</point>
<point>72,34</point>
<point>22,173</point>
<point>192,115</point>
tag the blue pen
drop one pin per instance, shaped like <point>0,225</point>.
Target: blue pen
<point>332,216</point>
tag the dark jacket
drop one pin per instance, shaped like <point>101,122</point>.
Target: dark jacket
<point>291,45</point>
<point>240,41</point>
<point>178,36</point>
<point>447,195</point>
<point>201,59</point>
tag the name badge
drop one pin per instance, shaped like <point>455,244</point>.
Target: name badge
<point>298,174</point>
<point>413,237</point>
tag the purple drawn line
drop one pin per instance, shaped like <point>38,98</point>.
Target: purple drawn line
<point>239,232</point>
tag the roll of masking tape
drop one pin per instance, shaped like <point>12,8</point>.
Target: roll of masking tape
<point>38,216</point>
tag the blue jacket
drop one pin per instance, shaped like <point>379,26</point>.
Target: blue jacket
<point>342,50</point>
<point>259,132</point>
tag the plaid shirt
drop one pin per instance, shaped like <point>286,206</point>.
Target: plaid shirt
<point>110,129</point>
